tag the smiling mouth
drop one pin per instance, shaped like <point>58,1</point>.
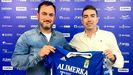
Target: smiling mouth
<point>89,23</point>
<point>47,21</point>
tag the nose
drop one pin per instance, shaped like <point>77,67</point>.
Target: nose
<point>47,17</point>
<point>89,20</point>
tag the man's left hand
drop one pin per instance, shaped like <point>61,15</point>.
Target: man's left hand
<point>109,54</point>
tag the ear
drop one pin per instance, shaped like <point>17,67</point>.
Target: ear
<point>82,20</point>
<point>54,17</point>
<point>37,15</point>
<point>98,19</point>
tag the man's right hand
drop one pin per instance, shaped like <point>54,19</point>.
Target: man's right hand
<point>45,50</point>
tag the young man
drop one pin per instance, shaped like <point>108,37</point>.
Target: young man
<point>35,44</point>
<point>94,39</point>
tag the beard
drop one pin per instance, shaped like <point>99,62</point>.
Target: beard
<point>46,27</point>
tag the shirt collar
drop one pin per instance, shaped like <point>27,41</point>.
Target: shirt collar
<point>39,32</point>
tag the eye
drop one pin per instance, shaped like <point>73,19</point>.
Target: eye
<point>51,15</point>
<point>93,15</point>
<point>85,16</point>
<point>44,13</point>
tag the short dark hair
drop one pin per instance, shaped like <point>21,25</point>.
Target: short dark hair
<point>89,7</point>
<point>48,3</point>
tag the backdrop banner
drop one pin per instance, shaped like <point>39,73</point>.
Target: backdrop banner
<point>18,16</point>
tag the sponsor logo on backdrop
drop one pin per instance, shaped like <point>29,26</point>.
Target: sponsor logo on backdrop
<point>6,17</point>
<point>65,26</point>
<point>21,26</point>
<point>109,0</point>
<point>126,44</point>
<point>79,0</point>
<point>126,61</point>
<point>33,26</point>
<point>6,59</point>
<point>7,51</point>
<point>125,8</point>
<point>21,17</point>
<point>124,26</point>
<point>21,0</point>
<point>125,17</point>
<point>50,0</point>
<point>77,17</point>
<point>7,68</point>
<point>65,9</point>
<point>125,35</point>
<point>34,9</point>
<point>124,0</point>
<point>33,17</point>
<point>7,43</point>
<point>123,70</point>
<point>95,0</point>
<point>18,34</point>
<point>65,0</point>
<point>6,8</point>
<point>108,26</point>
<point>35,0</point>
<point>78,26</point>
<point>64,18</point>
<point>109,17</point>
<point>78,9</point>
<point>109,8</point>
<point>98,9</point>
<point>6,0</point>
<point>7,34</point>
<point>54,26</point>
<point>21,8</point>
<point>66,34</point>
<point>6,26</point>
<point>125,53</point>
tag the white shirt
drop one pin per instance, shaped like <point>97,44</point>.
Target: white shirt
<point>99,41</point>
<point>48,36</point>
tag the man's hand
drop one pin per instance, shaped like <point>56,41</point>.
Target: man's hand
<point>109,54</point>
<point>45,50</point>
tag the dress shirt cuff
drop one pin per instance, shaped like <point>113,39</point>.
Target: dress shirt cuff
<point>37,58</point>
<point>112,62</point>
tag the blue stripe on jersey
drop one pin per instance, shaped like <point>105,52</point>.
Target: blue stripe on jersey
<point>78,65</point>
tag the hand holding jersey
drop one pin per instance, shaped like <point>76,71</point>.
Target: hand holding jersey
<point>45,50</point>
<point>109,54</point>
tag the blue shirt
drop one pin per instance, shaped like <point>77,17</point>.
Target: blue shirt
<point>26,53</point>
<point>64,62</point>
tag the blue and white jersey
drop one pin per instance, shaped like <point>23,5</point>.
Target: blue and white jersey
<point>64,62</point>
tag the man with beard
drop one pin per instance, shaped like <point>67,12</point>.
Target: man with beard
<point>34,45</point>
